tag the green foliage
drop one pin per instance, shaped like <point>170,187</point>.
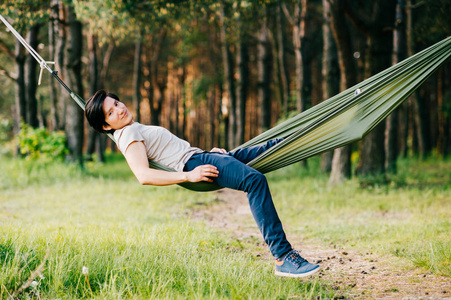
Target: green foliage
<point>39,143</point>
<point>25,13</point>
<point>5,129</point>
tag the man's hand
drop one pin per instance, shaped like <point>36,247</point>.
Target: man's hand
<point>220,150</point>
<point>202,173</point>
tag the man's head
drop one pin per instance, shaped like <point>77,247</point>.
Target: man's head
<point>105,112</point>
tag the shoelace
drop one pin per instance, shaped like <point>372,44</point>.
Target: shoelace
<point>295,258</point>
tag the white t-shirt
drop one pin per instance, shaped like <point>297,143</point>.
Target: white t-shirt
<point>161,145</point>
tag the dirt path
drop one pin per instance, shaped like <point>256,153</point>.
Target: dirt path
<point>354,275</point>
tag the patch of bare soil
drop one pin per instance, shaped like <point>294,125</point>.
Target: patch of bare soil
<point>353,274</point>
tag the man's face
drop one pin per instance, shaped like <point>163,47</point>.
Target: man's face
<point>116,114</point>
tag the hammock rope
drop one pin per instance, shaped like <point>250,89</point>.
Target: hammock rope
<point>342,119</point>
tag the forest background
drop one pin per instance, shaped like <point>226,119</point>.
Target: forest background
<point>218,73</point>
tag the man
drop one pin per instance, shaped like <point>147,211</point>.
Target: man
<point>141,143</point>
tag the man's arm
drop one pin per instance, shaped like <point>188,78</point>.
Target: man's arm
<point>137,160</point>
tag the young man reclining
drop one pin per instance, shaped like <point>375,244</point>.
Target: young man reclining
<point>141,143</point>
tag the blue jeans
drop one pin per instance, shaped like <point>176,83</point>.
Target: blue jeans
<point>235,174</point>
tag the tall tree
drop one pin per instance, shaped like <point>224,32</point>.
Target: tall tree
<point>96,141</point>
<point>73,67</point>
<point>392,122</point>
<point>137,72</point>
<point>282,60</point>
<point>228,77</point>
<point>21,102</point>
<point>31,78</point>
<point>26,17</point>
<point>298,23</point>
<point>341,162</point>
<point>242,63</point>
<point>373,19</point>
<point>330,72</point>
<point>420,110</point>
<point>53,27</point>
<point>155,91</point>
<point>264,68</point>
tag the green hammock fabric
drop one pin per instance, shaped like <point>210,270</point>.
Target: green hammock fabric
<point>346,117</point>
<point>340,120</point>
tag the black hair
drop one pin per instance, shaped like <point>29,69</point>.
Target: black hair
<point>94,110</point>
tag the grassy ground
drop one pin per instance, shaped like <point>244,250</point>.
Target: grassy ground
<point>137,242</point>
<point>409,217</point>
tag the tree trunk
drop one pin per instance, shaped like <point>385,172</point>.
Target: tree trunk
<point>330,73</point>
<point>298,24</point>
<point>264,66</point>
<point>298,36</point>
<point>378,57</point>
<point>21,104</point>
<point>446,103</point>
<point>392,122</point>
<point>341,162</point>
<point>60,64</point>
<point>242,61</point>
<point>211,116</point>
<point>53,26</point>
<point>441,119</point>
<point>285,84</point>
<point>106,64</point>
<point>93,86</point>
<point>137,78</point>
<point>31,78</point>
<point>228,78</point>
<point>155,91</point>
<point>74,117</point>
<point>96,140</point>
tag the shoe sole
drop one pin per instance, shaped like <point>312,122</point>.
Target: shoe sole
<point>277,273</point>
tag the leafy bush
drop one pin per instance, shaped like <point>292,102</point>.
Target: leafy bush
<point>37,143</point>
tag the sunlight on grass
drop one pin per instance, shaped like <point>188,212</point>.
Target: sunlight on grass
<point>135,241</point>
<point>409,217</point>
<point>138,241</point>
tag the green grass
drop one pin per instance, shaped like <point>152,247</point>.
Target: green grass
<point>137,242</point>
<point>409,217</point>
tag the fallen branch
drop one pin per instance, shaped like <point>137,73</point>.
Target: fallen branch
<point>32,277</point>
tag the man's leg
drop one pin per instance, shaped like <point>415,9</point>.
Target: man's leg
<point>247,154</point>
<point>236,175</point>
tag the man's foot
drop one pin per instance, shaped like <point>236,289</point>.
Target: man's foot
<point>294,265</point>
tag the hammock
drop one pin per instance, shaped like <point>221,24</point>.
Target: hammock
<point>336,122</point>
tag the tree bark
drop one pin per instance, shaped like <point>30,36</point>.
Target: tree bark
<point>392,122</point>
<point>379,17</point>
<point>228,78</point>
<point>264,66</point>
<point>96,140</point>
<point>21,104</point>
<point>155,91</point>
<point>242,61</point>
<point>281,55</point>
<point>441,119</point>
<point>31,78</point>
<point>61,42</point>
<point>137,78</point>
<point>53,26</point>
<point>74,115</point>
<point>298,23</point>
<point>330,73</point>
<point>341,162</point>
